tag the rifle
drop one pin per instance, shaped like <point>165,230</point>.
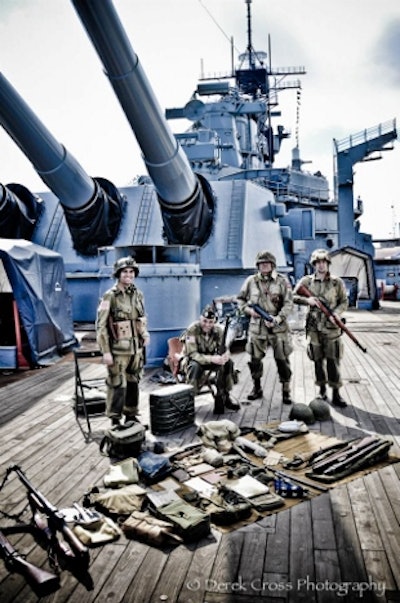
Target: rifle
<point>75,551</point>
<point>354,454</point>
<point>323,306</point>
<point>322,462</point>
<point>226,342</point>
<point>42,582</point>
<point>261,312</point>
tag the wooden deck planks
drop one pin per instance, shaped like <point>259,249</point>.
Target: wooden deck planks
<point>349,534</point>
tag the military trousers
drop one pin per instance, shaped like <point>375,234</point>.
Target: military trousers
<point>325,349</point>
<point>281,346</point>
<point>123,385</point>
<point>196,375</point>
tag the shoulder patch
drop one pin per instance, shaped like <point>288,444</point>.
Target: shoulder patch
<point>104,304</point>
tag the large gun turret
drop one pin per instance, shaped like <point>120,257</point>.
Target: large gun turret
<point>19,211</point>
<point>185,199</point>
<point>92,206</point>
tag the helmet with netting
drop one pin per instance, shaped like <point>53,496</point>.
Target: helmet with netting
<point>320,254</point>
<point>123,263</point>
<point>265,256</point>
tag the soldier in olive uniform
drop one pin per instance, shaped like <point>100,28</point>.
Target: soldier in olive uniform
<point>325,347</point>
<point>202,351</point>
<point>271,291</point>
<point>121,328</point>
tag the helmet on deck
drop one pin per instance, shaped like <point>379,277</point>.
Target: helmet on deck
<point>265,256</point>
<point>321,409</point>
<point>122,263</point>
<point>320,254</point>
<point>302,412</point>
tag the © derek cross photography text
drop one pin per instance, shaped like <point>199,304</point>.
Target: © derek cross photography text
<point>341,589</point>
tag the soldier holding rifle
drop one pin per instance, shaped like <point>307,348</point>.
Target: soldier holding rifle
<point>271,293</point>
<point>326,297</point>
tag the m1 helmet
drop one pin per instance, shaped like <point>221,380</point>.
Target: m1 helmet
<point>127,262</point>
<point>321,409</point>
<point>320,254</point>
<point>265,256</point>
<point>302,412</point>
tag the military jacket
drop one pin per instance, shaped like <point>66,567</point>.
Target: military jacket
<point>199,346</point>
<point>273,294</point>
<point>121,324</point>
<point>331,290</point>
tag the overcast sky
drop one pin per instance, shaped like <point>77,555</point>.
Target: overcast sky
<point>350,49</point>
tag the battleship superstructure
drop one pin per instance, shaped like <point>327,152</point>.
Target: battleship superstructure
<point>212,197</point>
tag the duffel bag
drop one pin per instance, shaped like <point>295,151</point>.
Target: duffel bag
<point>123,441</point>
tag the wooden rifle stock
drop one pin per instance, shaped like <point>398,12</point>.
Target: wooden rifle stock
<point>42,582</point>
<point>55,522</point>
<point>302,290</point>
<point>354,446</point>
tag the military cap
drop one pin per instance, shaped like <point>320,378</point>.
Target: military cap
<point>208,312</point>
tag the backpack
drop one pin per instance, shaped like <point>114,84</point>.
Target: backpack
<point>123,441</point>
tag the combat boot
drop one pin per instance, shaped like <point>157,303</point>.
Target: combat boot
<point>256,391</point>
<point>230,404</point>
<point>219,407</point>
<point>286,399</point>
<point>337,399</point>
<point>130,409</point>
<point>322,392</point>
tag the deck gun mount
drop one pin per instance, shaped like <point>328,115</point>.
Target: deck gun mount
<point>92,206</point>
<point>186,200</point>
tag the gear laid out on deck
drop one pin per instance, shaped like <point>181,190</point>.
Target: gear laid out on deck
<point>230,478</point>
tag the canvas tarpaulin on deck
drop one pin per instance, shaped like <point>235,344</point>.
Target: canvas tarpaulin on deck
<point>37,279</point>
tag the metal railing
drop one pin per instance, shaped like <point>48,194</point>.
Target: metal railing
<point>365,135</point>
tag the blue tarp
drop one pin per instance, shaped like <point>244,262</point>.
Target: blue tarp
<point>39,286</point>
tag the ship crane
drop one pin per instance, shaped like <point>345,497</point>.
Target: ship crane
<point>349,151</point>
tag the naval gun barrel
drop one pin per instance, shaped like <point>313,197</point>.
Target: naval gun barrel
<point>92,206</point>
<point>19,211</point>
<point>186,200</point>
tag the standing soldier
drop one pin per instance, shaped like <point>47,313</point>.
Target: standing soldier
<point>325,347</point>
<point>271,291</point>
<point>121,329</point>
<point>204,350</point>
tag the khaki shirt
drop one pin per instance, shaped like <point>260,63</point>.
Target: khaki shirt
<point>331,290</point>
<point>199,346</point>
<point>273,294</point>
<point>124,307</point>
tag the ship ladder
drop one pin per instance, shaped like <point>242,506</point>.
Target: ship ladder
<point>235,221</point>
<point>143,219</point>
